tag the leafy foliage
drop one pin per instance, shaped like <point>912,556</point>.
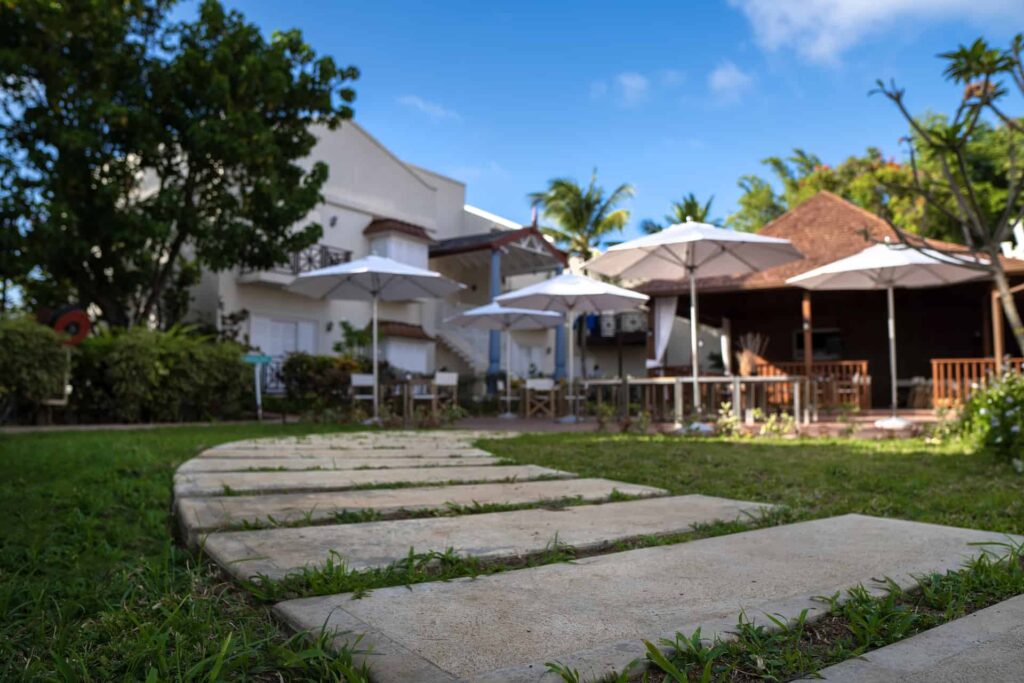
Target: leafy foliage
<point>33,365</point>
<point>688,208</point>
<point>583,217</point>
<point>143,148</point>
<point>993,419</point>
<point>870,181</point>
<point>141,375</point>
<point>95,588</point>
<point>317,384</point>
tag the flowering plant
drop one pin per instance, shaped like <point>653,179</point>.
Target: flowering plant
<point>993,418</point>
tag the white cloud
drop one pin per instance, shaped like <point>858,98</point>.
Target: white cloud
<point>431,109</point>
<point>671,77</point>
<point>632,88</point>
<point>728,82</point>
<point>821,30</point>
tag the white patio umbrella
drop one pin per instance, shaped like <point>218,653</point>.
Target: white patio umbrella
<point>886,266</point>
<point>571,294</point>
<point>374,278</point>
<point>494,316</point>
<point>694,250</point>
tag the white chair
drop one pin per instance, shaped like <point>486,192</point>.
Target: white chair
<point>444,389</point>
<point>509,398</point>
<point>362,386</point>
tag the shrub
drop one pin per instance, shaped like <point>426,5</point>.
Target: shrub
<point>33,366</point>
<point>317,384</point>
<point>993,418</point>
<point>142,375</point>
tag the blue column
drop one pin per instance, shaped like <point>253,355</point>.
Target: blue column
<point>560,348</point>
<point>494,346</point>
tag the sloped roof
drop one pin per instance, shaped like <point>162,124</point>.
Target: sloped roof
<point>493,240</point>
<point>390,225</point>
<point>824,228</point>
<point>394,328</point>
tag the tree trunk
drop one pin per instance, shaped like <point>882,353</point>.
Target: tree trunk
<point>1009,305</point>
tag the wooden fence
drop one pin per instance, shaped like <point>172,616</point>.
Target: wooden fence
<point>954,379</point>
<point>838,382</point>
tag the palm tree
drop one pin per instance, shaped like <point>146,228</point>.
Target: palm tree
<point>581,217</point>
<point>688,207</point>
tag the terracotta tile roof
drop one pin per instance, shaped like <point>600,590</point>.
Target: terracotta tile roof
<point>380,225</point>
<point>824,228</point>
<point>393,328</point>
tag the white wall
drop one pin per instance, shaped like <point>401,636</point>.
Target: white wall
<point>410,355</point>
<point>365,176</point>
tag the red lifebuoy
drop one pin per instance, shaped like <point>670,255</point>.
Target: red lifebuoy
<point>74,323</point>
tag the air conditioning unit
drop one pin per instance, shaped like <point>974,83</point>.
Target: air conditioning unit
<point>607,324</point>
<point>634,321</point>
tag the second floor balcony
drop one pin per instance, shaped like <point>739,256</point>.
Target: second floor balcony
<point>313,257</point>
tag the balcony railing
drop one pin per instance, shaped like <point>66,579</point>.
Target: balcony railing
<point>955,379</point>
<point>313,257</point>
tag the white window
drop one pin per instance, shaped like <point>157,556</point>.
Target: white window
<point>393,246</point>
<point>410,355</point>
<point>278,338</point>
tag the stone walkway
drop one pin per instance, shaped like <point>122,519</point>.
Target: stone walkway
<point>591,614</point>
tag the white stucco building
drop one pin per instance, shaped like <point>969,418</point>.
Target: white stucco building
<point>377,203</point>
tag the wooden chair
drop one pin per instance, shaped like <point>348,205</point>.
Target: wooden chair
<point>541,397</point>
<point>443,391</point>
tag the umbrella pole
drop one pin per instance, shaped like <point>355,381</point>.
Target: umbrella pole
<point>570,318</point>
<point>376,377</point>
<point>508,374</point>
<point>694,355</point>
<point>890,298</point>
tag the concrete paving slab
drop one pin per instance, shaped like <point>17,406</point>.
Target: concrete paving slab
<point>218,483</point>
<point>432,450</point>
<point>490,536</point>
<point>393,439</point>
<point>203,514</point>
<point>593,614</point>
<point>348,462</point>
<point>985,646</point>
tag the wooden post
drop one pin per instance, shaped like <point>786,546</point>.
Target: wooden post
<point>998,349</point>
<point>805,311</point>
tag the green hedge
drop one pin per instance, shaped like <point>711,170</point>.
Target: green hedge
<point>317,384</point>
<point>993,419</point>
<point>33,367</point>
<point>142,375</point>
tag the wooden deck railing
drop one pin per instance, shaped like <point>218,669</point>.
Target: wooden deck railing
<point>955,379</point>
<point>839,382</point>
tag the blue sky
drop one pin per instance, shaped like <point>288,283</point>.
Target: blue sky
<point>671,97</point>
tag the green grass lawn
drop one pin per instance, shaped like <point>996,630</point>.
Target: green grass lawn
<point>909,479</point>
<point>93,587</point>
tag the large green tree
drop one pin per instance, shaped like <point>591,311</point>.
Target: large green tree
<point>870,181</point>
<point>143,149</point>
<point>689,207</point>
<point>968,170</point>
<point>582,217</point>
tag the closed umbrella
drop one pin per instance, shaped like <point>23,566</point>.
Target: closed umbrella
<point>494,316</point>
<point>887,266</point>
<point>374,278</point>
<point>572,294</point>
<point>693,250</point>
